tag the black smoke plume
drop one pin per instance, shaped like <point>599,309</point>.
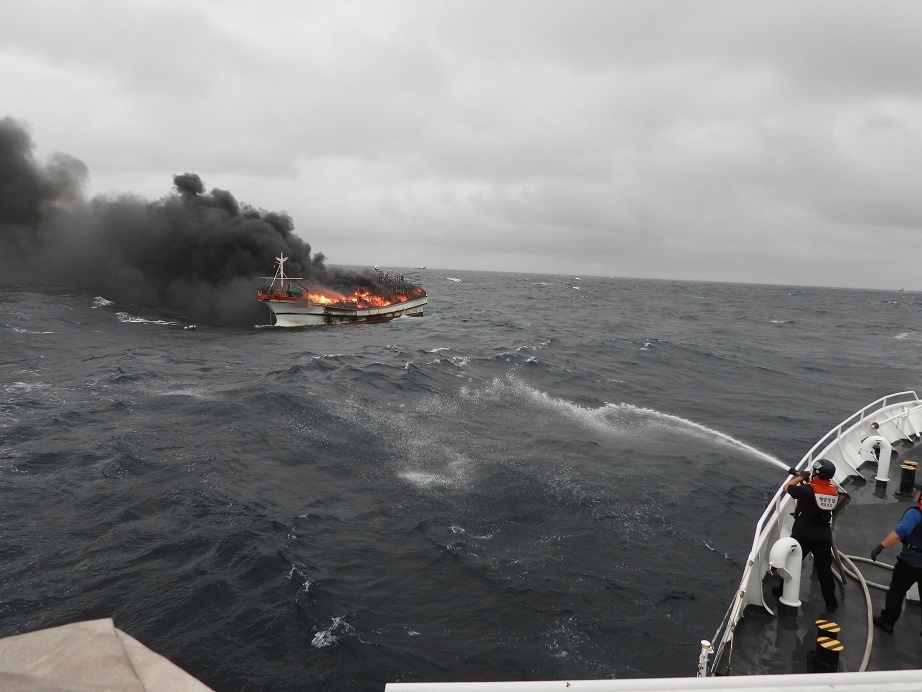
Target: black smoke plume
<point>192,252</point>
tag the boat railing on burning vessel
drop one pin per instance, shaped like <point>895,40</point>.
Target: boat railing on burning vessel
<point>391,288</point>
<point>393,285</point>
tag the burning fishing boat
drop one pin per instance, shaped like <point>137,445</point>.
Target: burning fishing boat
<point>292,304</point>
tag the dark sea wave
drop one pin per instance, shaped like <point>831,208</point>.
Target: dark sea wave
<point>545,477</point>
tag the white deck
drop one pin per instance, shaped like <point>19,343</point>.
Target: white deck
<point>88,656</point>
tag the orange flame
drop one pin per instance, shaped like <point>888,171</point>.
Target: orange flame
<point>326,297</point>
<point>360,297</point>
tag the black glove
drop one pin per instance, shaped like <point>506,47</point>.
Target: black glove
<point>876,551</point>
<point>793,472</point>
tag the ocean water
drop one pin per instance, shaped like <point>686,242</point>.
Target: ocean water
<point>544,477</point>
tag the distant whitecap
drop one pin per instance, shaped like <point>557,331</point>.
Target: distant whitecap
<point>132,319</point>
<point>20,330</point>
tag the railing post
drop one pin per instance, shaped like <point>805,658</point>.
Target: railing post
<point>706,650</point>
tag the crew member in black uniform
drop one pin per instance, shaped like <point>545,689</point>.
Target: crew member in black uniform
<point>816,498</point>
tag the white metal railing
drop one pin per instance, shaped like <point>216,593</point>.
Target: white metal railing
<point>874,681</point>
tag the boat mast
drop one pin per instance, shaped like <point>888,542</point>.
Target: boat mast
<point>280,274</point>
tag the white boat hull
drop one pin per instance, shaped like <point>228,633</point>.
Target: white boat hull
<point>303,313</point>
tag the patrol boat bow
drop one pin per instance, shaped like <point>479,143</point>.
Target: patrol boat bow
<point>872,451</point>
<point>764,644</point>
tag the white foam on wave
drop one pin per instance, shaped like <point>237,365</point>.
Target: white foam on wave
<point>170,388</point>
<point>132,319</point>
<point>459,531</point>
<point>517,351</point>
<point>323,639</point>
<point>294,572</point>
<point>328,637</point>
<point>614,419</point>
<point>20,387</point>
<point>195,392</point>
<point>451,278</point>
<point>100,302</point>
<point>20,330</point>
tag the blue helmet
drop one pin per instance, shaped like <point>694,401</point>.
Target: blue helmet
<point>823,468</point>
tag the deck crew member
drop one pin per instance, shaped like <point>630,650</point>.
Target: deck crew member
<point>816,498</point>
<point>908,568</point>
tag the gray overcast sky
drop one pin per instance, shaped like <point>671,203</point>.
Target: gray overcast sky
<point>766,142</point>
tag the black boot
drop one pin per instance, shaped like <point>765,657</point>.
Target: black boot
<point>883,624</point>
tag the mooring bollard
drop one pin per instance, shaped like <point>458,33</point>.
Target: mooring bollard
<point>907,477</point>
<point>827,654</point>
<point>827,628</point>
